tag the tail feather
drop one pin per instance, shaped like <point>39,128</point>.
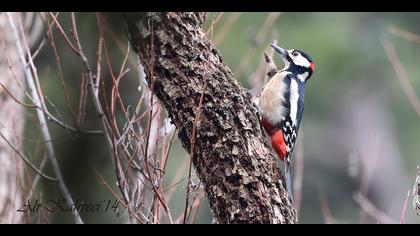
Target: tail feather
<point>288,178</point>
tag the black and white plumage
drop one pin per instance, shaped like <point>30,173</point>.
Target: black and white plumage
<point>281,105</point>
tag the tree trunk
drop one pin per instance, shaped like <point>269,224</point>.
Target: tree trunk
<point>236,167</point>
<point>11,127</point>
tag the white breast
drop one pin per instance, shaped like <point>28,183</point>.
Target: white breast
<point>294,97</point>
<point>271,99</point>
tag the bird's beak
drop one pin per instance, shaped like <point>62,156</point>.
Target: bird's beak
<point>281,51</point>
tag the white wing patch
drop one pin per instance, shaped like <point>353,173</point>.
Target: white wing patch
<point>294,97</point>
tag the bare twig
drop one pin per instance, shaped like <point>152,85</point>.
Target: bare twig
<point>213,23</point>
<point>196,205</point>
<point>259,37</point>
<point>372,211</point>
<point>402,220</point>
<point>194,130</point>
<point>401,75</point>
<point>38,50</point>
<point>103,181</point>
<point>34,168</point>
<point>176,180</point>
<point>60,73</point>
<point>99,61</point>
<point>41,117</point>
<point>50,117</point>
<point>325,208</point>
<point>196,200</point>
<point>14,98</point>
<point>33,185</point>
<point>271,67</point>
<point>37,178</point>
<point>72,47</point>
<point>415,38</point>
<point>369,165</point>
<point>82,100</point>
<point>299,158</point>
<point>267,68</point>
<point>92,88</point>
<point>230,22</point>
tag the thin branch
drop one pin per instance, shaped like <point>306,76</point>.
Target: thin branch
<point>415,38</point>
<point>36,30</point>
<point>230,22</point>
<point>176,180</point>
<point>196,200</point>
<point>401,75</point>
<point>37,178</point>
<point>15,99</point>
<point>38,50</point>
<point>196,205</point>
<point>325,208</point>
<point>82,100</point>
<point>94,93</point>
<point>60,74</point>
<point>402,220</point>
<point>103,181</point>
<point>213,23</point>
<point>50,117</point>
<point>372,211</point>
<point>41,116</point>
<point>266,69</point>
<point>60,29</point>
<point>39,172</point>
<point>92,88</point>
<point>271,67</point>
<point>259,37</point>
<point>9,63</point>
<point>193,137</point>
<point>99,61</point>
<point>165,155</point>
<point>34,183</point>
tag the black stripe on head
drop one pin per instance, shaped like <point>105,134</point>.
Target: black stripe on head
<point>289,58</point>
<point>304,54</point>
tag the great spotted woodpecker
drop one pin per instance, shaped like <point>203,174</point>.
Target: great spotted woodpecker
<point>281,105</point>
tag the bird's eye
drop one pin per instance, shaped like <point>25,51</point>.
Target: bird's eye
<point>295,53</point>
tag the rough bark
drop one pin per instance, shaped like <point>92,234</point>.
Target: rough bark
<point>234,163</point>
<point>11,126</point>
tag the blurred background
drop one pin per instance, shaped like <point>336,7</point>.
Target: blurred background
<point>359,147</point>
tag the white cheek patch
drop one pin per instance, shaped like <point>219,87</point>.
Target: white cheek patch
<point>301,61</point>
<point>302,77</point>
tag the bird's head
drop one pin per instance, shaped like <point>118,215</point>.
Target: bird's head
<point>297,62</point>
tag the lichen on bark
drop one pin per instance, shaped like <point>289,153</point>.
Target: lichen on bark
<point>235,165</point>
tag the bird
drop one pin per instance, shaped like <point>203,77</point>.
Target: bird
<point>281,104</point>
